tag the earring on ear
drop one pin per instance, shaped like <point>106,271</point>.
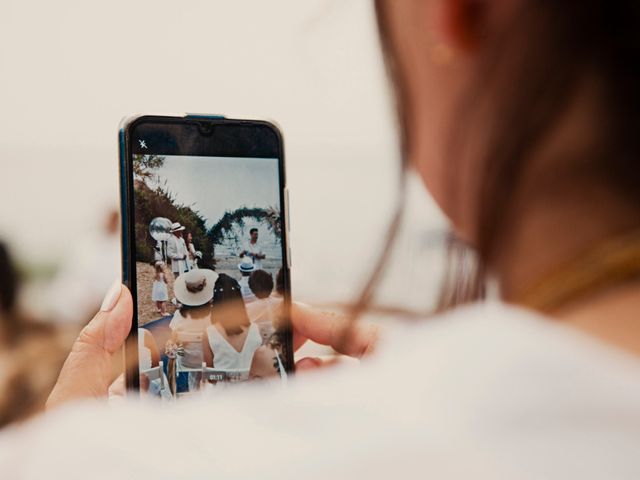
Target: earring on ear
<point>441,54</point>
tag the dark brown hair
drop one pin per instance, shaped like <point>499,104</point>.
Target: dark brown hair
<point>527,75</point>
<point>13,322</point>
<point>8,282</point>
<point>228,306</point>
<point>261,283</point>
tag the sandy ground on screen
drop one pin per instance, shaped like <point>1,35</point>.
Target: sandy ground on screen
<point>147,311</point>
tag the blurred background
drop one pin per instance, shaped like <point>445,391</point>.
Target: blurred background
<point>72,69</point>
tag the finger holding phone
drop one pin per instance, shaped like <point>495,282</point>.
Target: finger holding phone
<point>87,372</point>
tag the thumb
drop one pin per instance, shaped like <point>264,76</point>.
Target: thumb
<point>87,371</point>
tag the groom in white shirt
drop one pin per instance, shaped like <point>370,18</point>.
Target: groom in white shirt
<point>253,249</point>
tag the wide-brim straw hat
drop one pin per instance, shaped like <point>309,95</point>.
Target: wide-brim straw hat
<point>176,227</point>
<point>195,287</point>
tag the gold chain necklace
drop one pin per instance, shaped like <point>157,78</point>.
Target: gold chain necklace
<point>614,261</point>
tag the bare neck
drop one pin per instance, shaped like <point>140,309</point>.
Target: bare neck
<point>555,231</point>
<point>560,212</point>
<point>558,226</point>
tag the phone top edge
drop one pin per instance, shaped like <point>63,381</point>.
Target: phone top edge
<point>204,116</point>
<point>127,120</point>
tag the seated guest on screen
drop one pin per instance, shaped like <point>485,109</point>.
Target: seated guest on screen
<point>194,290</point>
<point>265,310</point>
<point>246,267</point>
<point>231,339</point>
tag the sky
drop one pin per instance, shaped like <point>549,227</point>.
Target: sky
<point>214,185</point>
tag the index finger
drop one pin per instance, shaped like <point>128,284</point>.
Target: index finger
<point>329,328</point>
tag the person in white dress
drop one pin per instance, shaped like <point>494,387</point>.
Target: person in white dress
<point>192,253</point>
<point>231,339</point>
<point>253,248</point>
<point>159,290</point>
<point>177,251</point>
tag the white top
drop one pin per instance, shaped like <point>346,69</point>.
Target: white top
<point>488,392</point>
<point>144,353</point>
<point>225,357</point>
<point>263,312</point>
<point>189,332</point>
<point>254,249</point>
<point>159,290</point>
<point>193,262</point>
<point>180,324</point>
<point>245,290</point>
<point>264,309</point>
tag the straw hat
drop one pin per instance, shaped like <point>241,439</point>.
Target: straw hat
<point>195,287</point>
<point>246,264</point>
<point>176,227</point>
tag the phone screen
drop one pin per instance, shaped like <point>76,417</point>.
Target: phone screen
<point>208,260</point>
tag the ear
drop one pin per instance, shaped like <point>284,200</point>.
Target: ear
<point>463,23</point>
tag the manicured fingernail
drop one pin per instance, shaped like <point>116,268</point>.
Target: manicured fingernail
<point>112,296</point>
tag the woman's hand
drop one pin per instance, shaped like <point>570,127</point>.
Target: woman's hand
<point>87,371</point>
<point>329,329</point>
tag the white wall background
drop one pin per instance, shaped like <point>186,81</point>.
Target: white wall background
<point>71,69</point>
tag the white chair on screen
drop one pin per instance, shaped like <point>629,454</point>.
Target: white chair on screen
<point>157,380</point>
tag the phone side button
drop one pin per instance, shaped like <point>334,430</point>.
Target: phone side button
<point>289,257</point>
<point>286,208</point>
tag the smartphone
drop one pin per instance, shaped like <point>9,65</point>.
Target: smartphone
<point>205,253</point>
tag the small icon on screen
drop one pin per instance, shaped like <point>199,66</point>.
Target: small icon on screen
<point>143,144</point>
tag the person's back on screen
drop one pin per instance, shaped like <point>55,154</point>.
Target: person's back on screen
<point>231,338</point>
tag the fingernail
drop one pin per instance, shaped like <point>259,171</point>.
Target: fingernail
<point>112,296</point>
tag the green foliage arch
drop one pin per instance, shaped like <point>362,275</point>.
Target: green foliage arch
<point>270,216</point>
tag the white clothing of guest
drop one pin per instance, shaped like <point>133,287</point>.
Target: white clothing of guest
<point>226,357</point>
<point>190,333</point>
<point>178,254</point>
<point>144,353</point>
<point>193,259</point>
<point>245,290</point>
<point>264,309</point>
<point>485,392</point>
<point>254,249</point>
<point>159,291</point>
<point>263,312</point>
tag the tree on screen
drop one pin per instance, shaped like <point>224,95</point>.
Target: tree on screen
<point>145,166</point>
